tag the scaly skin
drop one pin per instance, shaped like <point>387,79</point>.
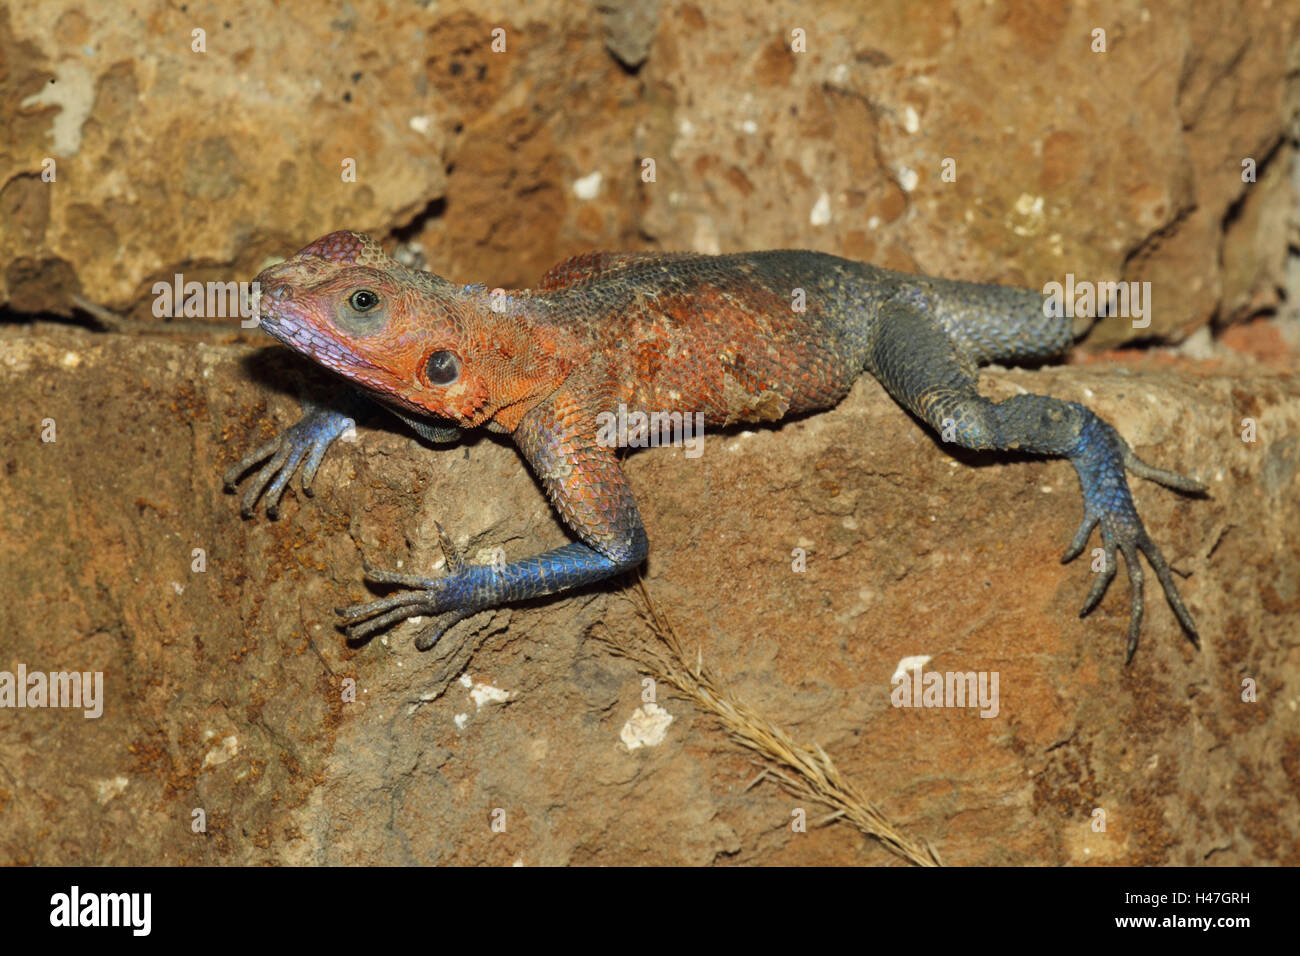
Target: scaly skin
<point>717,335</point>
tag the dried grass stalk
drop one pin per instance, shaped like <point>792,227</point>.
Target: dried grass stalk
<point>806,772</point>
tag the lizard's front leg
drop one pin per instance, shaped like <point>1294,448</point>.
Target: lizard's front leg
<point>305,443</point>
<point>584,481</point>
<point>302,444</point>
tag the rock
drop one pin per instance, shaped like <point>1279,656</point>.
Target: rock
<point>630,28</point>
<point>504,144</point>
<point>225,681</point>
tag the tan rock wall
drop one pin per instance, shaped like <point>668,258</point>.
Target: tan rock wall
<point>1118,164</point>
<point>225,675</point>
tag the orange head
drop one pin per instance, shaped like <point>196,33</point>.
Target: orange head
<point>412,339</point>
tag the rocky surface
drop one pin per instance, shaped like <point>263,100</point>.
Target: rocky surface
<point>133,149</point>
<point>202,154</point>
<point>225,687</point>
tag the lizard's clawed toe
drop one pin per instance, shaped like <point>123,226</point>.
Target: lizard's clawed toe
<point>433,632</point>
<point>1124,535</point>
<point>1166,578</point>
<point>1076,545</point>
<point>364,620</point>
<point>420,596</point>
<point>1100,585</point>
<point>1136,581</point>
<point>400,578</point>
<point>302,445</point>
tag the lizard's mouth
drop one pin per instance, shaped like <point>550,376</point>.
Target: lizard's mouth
<point>302,337</point>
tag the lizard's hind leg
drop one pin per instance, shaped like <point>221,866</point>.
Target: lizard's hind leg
<point>921,367</point>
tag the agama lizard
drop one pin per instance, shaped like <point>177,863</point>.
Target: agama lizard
<point>683,332</point>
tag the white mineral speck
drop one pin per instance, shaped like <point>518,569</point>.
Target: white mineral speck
<point>588,187</point>
<point>821,211</point>
<point>647,727</point>
<point>908,664</point>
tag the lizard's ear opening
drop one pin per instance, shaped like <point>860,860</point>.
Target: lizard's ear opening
<point>362,312</point>
<point>442,368</point>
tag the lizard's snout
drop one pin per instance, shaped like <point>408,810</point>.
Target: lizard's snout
<point>273,293</point>
<point>274,282</point>
<point>278,291</point>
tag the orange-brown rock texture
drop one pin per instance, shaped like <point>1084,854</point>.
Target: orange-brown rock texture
<point>1012,141</point>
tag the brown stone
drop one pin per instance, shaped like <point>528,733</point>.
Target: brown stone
<point>224,686</point>
<point>1122,164</point>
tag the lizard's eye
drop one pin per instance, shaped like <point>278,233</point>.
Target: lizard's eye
<point>363,300</point>
<point>363,312</point>
<point>442,368</point>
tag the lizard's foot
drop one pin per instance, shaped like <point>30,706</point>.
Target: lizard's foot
<point>304,443</point>
<point>1109,503</point>
<point>440,598</point>
<point>470,588</point>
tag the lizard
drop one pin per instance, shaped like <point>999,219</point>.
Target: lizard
<point>711,334</point>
